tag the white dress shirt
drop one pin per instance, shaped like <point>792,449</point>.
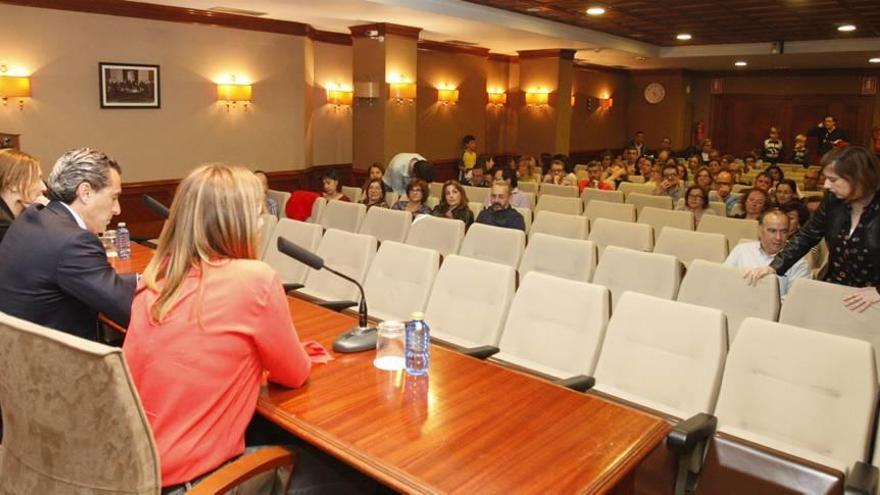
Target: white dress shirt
<point>751,254</point>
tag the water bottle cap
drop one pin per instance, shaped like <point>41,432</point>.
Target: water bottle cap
<point>418,315</point>
<point>121,224</point>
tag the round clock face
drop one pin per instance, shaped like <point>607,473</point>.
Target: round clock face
<point>654,93</point>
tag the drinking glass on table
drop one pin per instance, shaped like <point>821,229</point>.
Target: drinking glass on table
<point>389,346</point>
<point>108,240</point>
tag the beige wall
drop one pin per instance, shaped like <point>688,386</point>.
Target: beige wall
<point>537,125</point>
<point>671,117</point>
<point>599,129</point>
<point>62,51</point>
<point>331,126</point>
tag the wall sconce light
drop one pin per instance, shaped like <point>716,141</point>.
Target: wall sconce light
<point>402,92</point>
<point>606,103</point>
<point>447,96</point>
<point>339,97</point>
<point>573,100</point>
<point>14,87</point>
<point>497,97</point>
<point>537,98</point>
<point>234,92</point>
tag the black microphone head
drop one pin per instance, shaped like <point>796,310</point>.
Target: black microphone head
<point>157,207</point>
<point>300,254</point>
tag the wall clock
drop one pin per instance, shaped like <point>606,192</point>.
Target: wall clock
<point>654,93</point>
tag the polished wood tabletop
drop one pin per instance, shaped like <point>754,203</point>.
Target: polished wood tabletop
<point>140,257</point>
<point>468,427</point>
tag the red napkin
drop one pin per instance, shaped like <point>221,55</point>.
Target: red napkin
<point>316,352</point>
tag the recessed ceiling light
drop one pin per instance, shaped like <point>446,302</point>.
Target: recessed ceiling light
<point>846,28</point>
<point>875,60</point>
<point>683,37</point>
<point>740,63</point>
<point>595,11</point>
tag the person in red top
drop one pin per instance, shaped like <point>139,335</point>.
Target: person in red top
<point>594,178</point>
<point>207,319</point>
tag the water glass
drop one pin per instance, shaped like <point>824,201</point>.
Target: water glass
<point>108,240</point>
<point>389,346</point>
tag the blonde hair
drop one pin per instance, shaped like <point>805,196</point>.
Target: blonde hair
<point>215,215</point>
<point>18,172</point>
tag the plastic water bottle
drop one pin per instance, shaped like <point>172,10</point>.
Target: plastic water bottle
<point>418,345</point>
<point>123,242</point>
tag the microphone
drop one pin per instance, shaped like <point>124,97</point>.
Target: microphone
<point>360,338</point>
<point>155,206</point>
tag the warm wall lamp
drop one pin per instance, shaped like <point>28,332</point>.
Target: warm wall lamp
<point>606,103</point>
<point>234,92</point>
<point>497,97</point>
<point>14,87</point>
<point>537,98</point>
<point>402,92</point>
<point>339,97</point>
<point>447,96</point>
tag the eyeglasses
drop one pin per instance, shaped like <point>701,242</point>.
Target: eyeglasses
<point>695,195</point>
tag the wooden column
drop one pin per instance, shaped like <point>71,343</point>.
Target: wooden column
<point>545,128</point>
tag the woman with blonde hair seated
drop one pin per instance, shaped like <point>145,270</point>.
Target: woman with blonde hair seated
<point>20,185</point>
<point>207,319</point>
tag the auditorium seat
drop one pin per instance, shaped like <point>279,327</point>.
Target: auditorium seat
<point>559,204</point>
<point>317,211</point>
<point>355,194</point>
<point>281,198</point>
<point>435,189</point>
<point>819,306</point>
<point>590,194</point>
<point>399,280</point>
<point>495,244</point>
<point>391,198</point>
<point>555,326</point>
<point>560,224</point>
<point>431,202</point>
<point>661,217</point>
<point>642,200</point>
<point>441,234</point>
<point>387,225</point>
<point>528,187</point>
<point>344,252</point>
<point>267,227</point>
<point>606,232</point>
<point>305,235</point>
<point>527,217</point>
<point>533,198</point>
<point>612,210</point>
<point>718,207</point>
<point>573,259</point>
<point>734,229</point>
<point>719,286</point>
<point>621,269</point>
<point>687,245</point>
<point>558,190</point>
<point>631,187</point>
<point>476,207</point>
<point>469,301</point>
<point>795,412</point>
<point>477,194</point>
<point>343,215</point>
<point>73,422</point>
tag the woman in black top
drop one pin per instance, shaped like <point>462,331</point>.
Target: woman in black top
<point>454,204</point>
<point>849,221</point>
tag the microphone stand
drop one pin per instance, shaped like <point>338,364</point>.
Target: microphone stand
<point>363,337</point>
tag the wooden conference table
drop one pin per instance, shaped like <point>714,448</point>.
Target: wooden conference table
<point>468,427</point>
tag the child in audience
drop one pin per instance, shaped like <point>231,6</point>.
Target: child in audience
<point>799,151</point>
<point>468,156</point>
<point>375,172</point>
<point>454,204</point>
<point>771,150</point>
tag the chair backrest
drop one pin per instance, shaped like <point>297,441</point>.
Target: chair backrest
<point>622,212</point>
<point>558,190</point>
<point>819,306</point>
<point>559,204</point>
<point>571,317</point>
<point>716,285</point>
<point>344,252</point>
<point>317,211</point>
<point>400,280</point>
<point>734,229</point>
<point>495,244</point>
<point>387,225</point>
<point>305,235</point>
<point>642,200</point>
<point>574,259</point>
<point>355,194</point>
<point>469,301</point>
<point>687,245</point>
<point>391,198</point>
<point>532,197</point>
<point>658,218</point>
<point>622,270</point>
<point>266,229</point>
<point>606,232</point>
<point>476,208</point>
<point>803,392</point>
<point>435,189</point>
<point>343,215</point>
<point>590,194</point>
<point>560,224</point>
<point>629,187</point>
<point>477,194</point>
<point>740,187</point>
<point>527,217</point>
<point>72,419</point>
<point>718,207</point>
<point>432,202</point>
<point>442,234</point>
<point>528,187</point>
<point>281,198</point>
<point>664,355</point>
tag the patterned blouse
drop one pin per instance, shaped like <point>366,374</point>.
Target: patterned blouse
<point>849,261</point>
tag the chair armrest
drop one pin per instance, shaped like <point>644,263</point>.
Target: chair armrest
<point>862,479</point>
<point>580,383</point>
<point>687,434</point>
<point>243,469</point>
<point>292,287</point>
<point>481,352</point>
<point>336,305</point>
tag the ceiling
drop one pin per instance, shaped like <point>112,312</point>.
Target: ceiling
<point>709,21</point>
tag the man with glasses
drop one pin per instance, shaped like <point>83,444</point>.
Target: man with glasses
<point>669,184</point>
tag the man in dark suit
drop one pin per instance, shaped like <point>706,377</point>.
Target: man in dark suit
<point>53,267</point>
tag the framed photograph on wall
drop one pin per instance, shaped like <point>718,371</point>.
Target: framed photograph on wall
<point>129,85</point>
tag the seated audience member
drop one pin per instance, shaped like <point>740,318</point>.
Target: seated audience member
<point>813,203</point>
<point>630,160</point>
<point>375,195</point>
<point>207,319</point>
<point>20,185</point>
<point>559,176</point>
<point>735,168</point>
<point>527,170</point>
<point>616,173</point>
<point>706,151</point>
<point>799,153</point>
<point>454,204</point>
<point>517,199</point>
<point>477,177</point>
<point>723,186</point>
<point>775,173</point>
<point>487,163</point>
<point>500,212</point>
<point>646,168</point>
<point>703,179</point>
<point>53,266</point>
<point>773,233</point>
<point>763,182</point>
<point>697,202</point>
<point>798,215</point>
<point>786,192</point>
<point>402,168</point>
<point>271,204</point>
<point>749,163</point>
<point>332,187</point>
<point>682,170</point>
<point>752,204</point>
<point>594,178</point>
<point>811,180</point>
<point>693,163</point>
<point>416,194</point>
<point>669,184</point>
<point>714,167</point>
<point>375,172</point>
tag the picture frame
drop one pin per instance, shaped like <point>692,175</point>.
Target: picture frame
<point>124,85</point>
